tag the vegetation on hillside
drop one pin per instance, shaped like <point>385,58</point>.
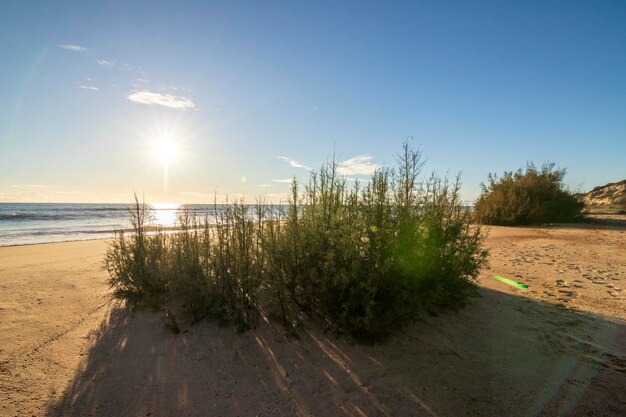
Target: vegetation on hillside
<point>609,197</point>
<point>363,259</point>
<point>527,197</point>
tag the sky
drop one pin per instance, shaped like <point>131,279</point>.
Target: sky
<point>181,101</point>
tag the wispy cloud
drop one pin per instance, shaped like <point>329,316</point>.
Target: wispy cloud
<point>128,67</point>
<point>294,163</point>
<point>121,66</point>
<point>74,48</point>
<point>266,185</point>
<point>283,181</point>
<point>89,87</point>
<point>139,83</point>
<point>175,88</point>
<point>166,100</point>
<point>104,63</point>
<point>359,165</point>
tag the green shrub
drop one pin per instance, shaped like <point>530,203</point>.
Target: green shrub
<point>190,250</point>
<point>527,197</point>
<point>368,259</point>
<point>362,259</point>
<point>218,267</point>
<point>138,263</point>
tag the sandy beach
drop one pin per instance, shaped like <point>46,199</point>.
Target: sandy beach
<point>555,349</point>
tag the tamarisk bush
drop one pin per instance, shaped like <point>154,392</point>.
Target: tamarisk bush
<point>363,258</point>
<point>138,263</point>
<point>526,197</point>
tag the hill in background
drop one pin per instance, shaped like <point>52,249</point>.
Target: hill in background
<point>608,196</point>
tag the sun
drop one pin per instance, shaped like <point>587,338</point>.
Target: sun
<point>165,150</point>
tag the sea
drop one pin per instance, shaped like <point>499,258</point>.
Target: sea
<point>28,223</point>
<point>33,223</point>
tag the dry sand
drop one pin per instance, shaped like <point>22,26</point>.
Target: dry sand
<point>556,349</point>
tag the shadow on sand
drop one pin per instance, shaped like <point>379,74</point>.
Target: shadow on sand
<point>502,355</point>
<point>589,224</point>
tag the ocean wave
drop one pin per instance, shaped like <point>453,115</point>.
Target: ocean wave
<point>30,216</point>
<point>70,232</point>
<point>58,216</point>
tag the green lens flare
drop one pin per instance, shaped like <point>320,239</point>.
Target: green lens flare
<point>511,282</point>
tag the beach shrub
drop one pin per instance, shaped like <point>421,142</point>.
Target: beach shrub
<point>218,265</point>
<point>367,260</point>
<point>138,262</point>
<point>526,197</point>
<point>190,250</point>
<point>363,259</point>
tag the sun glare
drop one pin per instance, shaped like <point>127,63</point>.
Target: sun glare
<point>165,150</point>
<point>165,213</point>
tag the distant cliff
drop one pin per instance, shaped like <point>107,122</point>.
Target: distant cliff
<point>608,195</point>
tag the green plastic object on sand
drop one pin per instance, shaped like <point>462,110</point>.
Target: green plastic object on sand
<point>511,282</point>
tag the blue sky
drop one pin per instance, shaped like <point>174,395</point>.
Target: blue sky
<point>254,92</point>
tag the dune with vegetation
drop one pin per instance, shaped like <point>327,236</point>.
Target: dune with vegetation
<point>611,196</point>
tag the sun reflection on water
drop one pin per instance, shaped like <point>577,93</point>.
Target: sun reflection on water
<point>165,214</point>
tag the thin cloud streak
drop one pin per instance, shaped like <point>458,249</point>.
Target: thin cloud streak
<point>106,64</point>
<point>283,181</point>
<point>294,163</point>
<point>359,165</point>
<point>89,87</point>
<point>74,48</point>
<point>165,100</point>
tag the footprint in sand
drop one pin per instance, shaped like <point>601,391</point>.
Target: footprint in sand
<point>561,283</point>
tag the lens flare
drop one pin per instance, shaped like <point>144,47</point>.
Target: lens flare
<point>510,282</point>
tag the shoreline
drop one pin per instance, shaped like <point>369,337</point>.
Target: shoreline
<point>150,230</point>
<point>608,222</point>
<point>19,245</point>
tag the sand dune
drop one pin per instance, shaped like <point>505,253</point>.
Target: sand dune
<point>555,349</point>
